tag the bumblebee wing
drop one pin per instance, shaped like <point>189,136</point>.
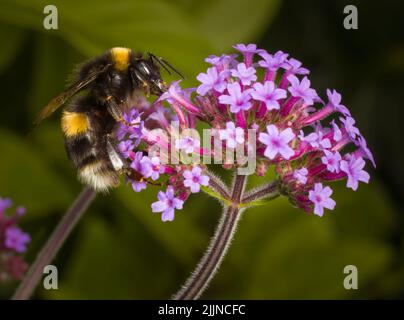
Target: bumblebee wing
<point>62,98</point>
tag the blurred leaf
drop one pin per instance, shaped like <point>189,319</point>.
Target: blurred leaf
<point>181,237</point>
<point>114,263</point>
<point>142,25</point>
<point>162,27</point>
<point>228,22</point>
<point>306,261</point>
<point>26,178</point>
<point>12,40</point>
<point>215,195</point>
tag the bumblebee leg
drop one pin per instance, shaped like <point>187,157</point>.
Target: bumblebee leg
<point>114,109</point>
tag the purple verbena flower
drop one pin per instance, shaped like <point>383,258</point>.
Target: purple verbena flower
<point>246,75</point>
<point>13,242</point>
<point>353,167</point>
<point>273,62</point>
<point>316,140</point>
<point>294,66</point>
<point>301,175</point>
<point>334,100</point>
<point>237,99</point>
<point>212,79</point>
<point>364,150</point>
<point>277,142</point>
<point>301,89</point>
<point>249,48</point>
<point>126,148</point>
<point>16,239</point>
<point>268,94</point>
<point>5,203</point>
<point>156,168</point>
<point>194,179</point>
<point>320,196</point>
<point>349,125</point>
<point>331,160</point>
<point>142,164</point>
<point>167,203</point>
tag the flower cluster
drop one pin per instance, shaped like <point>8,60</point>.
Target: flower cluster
<point>13,242</point>
<point>309,141</point>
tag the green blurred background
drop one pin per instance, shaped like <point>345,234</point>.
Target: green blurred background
<point>120,249</point>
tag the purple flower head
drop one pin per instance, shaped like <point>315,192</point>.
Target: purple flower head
<point>331,160</point>
<point>16,239</point>
<point>232,135</point>
<point>246,75</point>
<point>301,89</point>
<point>301,175</point>
<point>188,144</point>
<point>277,142</point>
<point>237,99</point>
<point>268,94</point>
<point>353,167</point>
<point>13,242</point>
<point>320,196</point>
<point>211,80</point>
<point>194,179</point>
<point>334,100</point>
<point>167,203</point>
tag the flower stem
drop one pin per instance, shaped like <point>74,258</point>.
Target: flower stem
<point>270,190</point>
<point>217,185</point>
<point>218,247</point>
<point>54,243</point>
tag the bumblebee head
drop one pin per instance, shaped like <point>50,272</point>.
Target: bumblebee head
<point>147,74</point>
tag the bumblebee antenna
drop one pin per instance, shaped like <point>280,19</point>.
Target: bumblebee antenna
<point>163,63</point>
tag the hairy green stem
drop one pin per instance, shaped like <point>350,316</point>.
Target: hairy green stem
<point>218,247</point>
<point>270,190</point>
<point>54,243</point>
<point>217,185</point>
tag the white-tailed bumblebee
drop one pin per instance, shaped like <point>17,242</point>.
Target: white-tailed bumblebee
<point>88,122</point>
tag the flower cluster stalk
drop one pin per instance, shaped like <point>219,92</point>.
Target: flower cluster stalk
<point>54,243</point>
<point>213,257</point>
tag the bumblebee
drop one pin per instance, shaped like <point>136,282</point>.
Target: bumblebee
<point>89,121</point>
